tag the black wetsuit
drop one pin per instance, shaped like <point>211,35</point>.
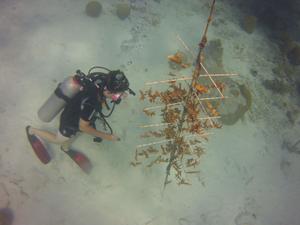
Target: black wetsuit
<point>82,106</point>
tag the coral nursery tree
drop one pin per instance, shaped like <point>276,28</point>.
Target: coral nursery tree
<point>188,111</point>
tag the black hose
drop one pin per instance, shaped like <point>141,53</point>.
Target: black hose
<point>103,116</point>
<point>98,67</point>
<point>107,124</point>
<point>111,111</point>
<point>98,139</point>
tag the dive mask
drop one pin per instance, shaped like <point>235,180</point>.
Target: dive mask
<point>116,96</point>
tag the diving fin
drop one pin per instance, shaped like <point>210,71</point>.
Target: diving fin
<point>38,147</point>
<point>81,160</point>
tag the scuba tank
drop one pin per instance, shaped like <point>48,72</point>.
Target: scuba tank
<point>57,101</point>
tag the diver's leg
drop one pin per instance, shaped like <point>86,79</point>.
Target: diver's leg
<point>65,142</point>
<point>45,135</point>
<point>58,138</point>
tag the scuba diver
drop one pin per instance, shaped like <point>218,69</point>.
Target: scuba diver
<point>81,97</point>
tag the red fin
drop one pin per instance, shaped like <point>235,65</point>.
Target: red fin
<point>81,160</point>
<point>38,147</point>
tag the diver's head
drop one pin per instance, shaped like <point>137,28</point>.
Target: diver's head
<point>112,85</point>
<point>117,82</point>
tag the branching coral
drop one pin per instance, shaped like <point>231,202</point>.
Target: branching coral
<point>180,153</point>
<point>181,113</point>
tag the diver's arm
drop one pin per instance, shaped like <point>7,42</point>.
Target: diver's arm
<point>85,126</point>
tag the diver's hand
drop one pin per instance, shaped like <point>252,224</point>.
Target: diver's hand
<point>112,137</point>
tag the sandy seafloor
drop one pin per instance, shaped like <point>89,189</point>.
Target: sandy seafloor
<point>246,177</point>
